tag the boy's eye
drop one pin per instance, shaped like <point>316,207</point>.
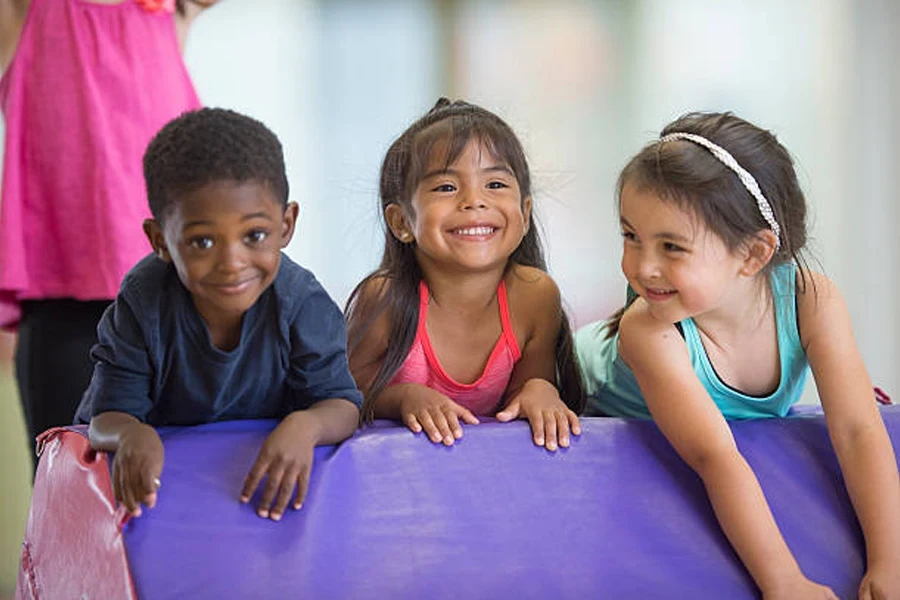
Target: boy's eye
<point>201,243</point>
<point>257,236</point>
<point>629,235</point>
<point>670,247</point>
<point>497,185</point>
<point>444,187</point>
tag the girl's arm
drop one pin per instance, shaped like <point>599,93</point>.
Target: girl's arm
<point>531,393</point>
<point>12,16</point>
<point>419,407</point>
<point>857,432</point>
<point>695,427</point>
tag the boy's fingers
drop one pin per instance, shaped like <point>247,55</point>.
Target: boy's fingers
<point>285,491</point>
<point>273,483</point>
<point>302,487</point>
<point>251,482</point>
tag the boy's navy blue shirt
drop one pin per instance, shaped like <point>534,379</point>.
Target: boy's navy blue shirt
<point>154,358</point>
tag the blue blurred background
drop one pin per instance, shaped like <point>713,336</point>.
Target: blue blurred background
<point>585,85</point>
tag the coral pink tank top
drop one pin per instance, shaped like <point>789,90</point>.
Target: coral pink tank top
<point>88,87</point>
<point>483,396</point>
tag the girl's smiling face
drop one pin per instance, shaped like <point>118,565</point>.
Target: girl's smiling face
<point>468,215</point>
<point>225,240</point>
<point>671,260</point>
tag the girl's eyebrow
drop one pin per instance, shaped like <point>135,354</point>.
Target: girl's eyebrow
<point>662,235</point>
<point>500,168</point>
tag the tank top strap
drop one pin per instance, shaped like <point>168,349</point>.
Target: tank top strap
<point>508,333</point>
<point>423,307</point>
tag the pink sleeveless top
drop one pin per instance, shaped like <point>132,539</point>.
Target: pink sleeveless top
<point>88,87</point>
<point>483,396</point>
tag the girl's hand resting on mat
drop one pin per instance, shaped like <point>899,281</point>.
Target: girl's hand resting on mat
<point>137,466</point>
<point>551,420</point>
<point>800,588</point>
<point>434,413</point>
<point>881,582</point>
<point>285,460</point>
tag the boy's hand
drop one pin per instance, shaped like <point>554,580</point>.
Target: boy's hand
<point>285,460</point>
<point>551,420</point>
<point>437,415</point>
<point>880,583</point>
<point>137,465</point>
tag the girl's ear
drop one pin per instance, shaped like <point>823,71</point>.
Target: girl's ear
<point>526,212</point>
<point>289,223</point>
<point>758,252</point>
<point>398,223</point>
<point>154,233</point>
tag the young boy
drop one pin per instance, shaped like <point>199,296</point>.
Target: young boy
<point>218,324</point>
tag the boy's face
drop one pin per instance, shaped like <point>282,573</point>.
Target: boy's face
<point>225,240</point>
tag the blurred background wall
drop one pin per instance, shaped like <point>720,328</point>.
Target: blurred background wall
<point>585,84</point>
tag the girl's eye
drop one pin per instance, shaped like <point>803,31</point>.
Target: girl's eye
<point>629,235</point>
<point>201,243</point>
<point>444,187</point>
<point>670,247</point>
<point>257,236</point>
<point>497,185</point>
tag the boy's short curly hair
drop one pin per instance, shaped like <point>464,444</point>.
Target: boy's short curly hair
<point>207,145</point>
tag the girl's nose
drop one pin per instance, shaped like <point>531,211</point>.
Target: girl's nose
<point>648,267</point>
<point>470,199</point>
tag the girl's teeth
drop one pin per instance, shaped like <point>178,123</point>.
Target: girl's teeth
<point>476,231</point>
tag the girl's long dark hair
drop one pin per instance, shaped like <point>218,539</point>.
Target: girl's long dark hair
<point>393,287</point>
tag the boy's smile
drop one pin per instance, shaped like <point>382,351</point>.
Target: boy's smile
<point>225,240</point>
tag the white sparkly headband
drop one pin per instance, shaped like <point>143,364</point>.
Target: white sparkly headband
<point>746,178</point>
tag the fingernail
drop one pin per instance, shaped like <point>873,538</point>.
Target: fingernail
<point>245,499</point>
<point>298,506</point>
<point>263,513</point>
<point>276,516</point>
<point>457,434</point>
<point>448,440</point>
<point>539,441</point>
<point>551,446</point>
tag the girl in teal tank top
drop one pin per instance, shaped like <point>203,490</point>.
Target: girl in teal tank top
<point>724,321</point>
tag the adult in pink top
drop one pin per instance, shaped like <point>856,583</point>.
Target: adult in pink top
<point>85,85</point>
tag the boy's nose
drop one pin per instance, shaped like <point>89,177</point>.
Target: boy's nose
<point>232,257</point>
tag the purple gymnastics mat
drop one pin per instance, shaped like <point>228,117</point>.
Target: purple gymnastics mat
<point>389,515</point>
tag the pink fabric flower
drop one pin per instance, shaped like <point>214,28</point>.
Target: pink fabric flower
<point>155,6</point>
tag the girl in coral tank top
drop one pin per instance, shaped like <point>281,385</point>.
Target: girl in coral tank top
<point>461,319</point>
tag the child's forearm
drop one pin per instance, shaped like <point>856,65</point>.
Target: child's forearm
<point>107,430</point>
<point>870,471</point>
<point>390,400</point>
<point>745,517</point>
<point>329,421</point>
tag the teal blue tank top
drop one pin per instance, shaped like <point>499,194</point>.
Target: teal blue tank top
<point>613,390</point>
